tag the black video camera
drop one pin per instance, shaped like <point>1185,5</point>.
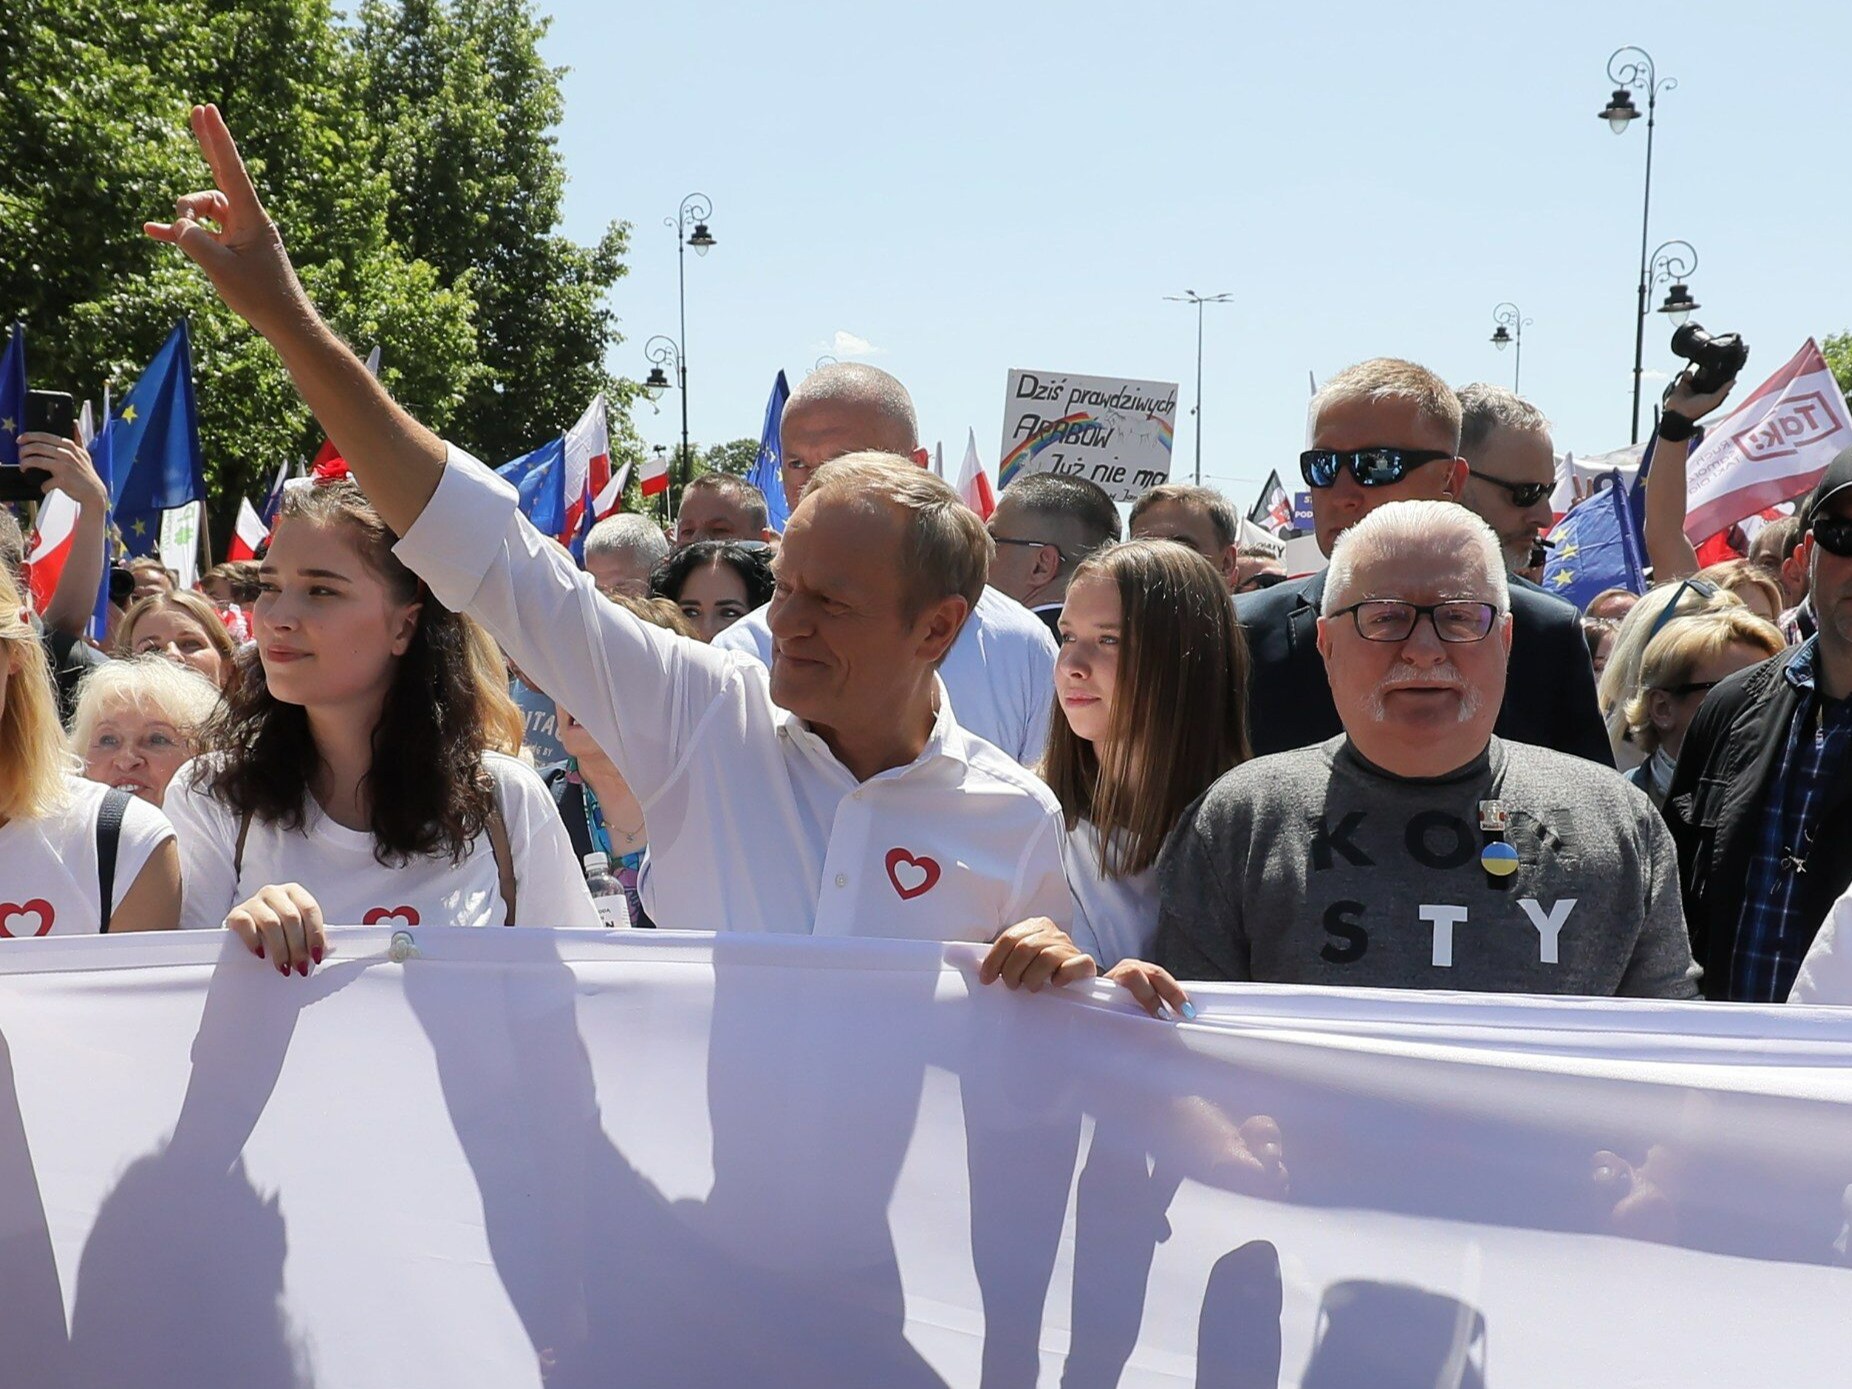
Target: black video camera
<point>1715,361</point>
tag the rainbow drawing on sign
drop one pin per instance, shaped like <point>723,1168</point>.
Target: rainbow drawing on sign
<point>1166,432</point>
<point>1051,432</point>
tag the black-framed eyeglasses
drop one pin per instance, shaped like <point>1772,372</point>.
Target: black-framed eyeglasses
<point>1704,588</point>
<point>1832,534</point>
<point>1523,494</point>
<point>996,539</point>
<point>1689,688</point>
<point>1380,465</point>
<point>1390,619</point>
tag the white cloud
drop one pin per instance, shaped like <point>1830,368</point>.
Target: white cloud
<point>847,344</point>
<point>1650,375</point>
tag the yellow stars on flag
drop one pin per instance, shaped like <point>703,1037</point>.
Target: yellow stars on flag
<point>128,414</point>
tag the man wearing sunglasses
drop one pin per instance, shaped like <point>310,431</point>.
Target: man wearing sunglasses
<point>1416,849</point>
<point>1386,431</point>
<point>1044,526</point>
<point>1761,800</point>
<point>1511,468</point>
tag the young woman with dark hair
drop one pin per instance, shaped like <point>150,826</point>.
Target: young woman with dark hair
<point>346,780</point>
<point>715,583</point>
<point>1151,692</point>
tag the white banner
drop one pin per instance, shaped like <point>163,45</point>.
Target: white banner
<point>180,542</point>
<point>1773,448</point>
<point>587,1158</point>
<point>1108,429</point>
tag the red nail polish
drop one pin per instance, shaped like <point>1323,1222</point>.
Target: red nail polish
<point>260,950</point>
<point>304,967</point>
<point>316,955</point>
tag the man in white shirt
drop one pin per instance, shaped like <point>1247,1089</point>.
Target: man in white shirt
<point>835,793</point>
<point>1000,671</point>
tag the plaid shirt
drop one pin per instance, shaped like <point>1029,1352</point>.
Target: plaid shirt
<point>1770,938</point>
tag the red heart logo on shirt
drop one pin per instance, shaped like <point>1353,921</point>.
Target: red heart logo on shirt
<point>13,914</point>
<point>399,916</point>
<point>911,875</point>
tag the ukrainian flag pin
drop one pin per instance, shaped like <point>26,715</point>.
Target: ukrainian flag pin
<point>1499,859</point>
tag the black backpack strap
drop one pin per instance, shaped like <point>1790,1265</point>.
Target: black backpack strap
<point>108,840</point>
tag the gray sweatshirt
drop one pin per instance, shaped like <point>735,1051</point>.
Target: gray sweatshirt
<point>1316,867</point>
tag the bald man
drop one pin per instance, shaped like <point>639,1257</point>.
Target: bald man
<point>1000,672</point>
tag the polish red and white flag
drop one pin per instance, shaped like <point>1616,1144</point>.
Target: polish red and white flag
<point>248,533</point>
<point>973,482</point>
<point>1771,449</point>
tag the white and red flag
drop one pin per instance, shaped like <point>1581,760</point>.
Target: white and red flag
<point>588,465</point>
<point>654,479</point>
<point>973,482</point>
<point>611,499</point>
<point>1772,448</point>
<point>249,532</point>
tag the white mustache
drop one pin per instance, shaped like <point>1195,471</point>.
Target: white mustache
<point>1470,696</point>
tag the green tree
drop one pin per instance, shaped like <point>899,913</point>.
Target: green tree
<point>736,457</point>
<point>465,111</point>
<point>1837,349</point>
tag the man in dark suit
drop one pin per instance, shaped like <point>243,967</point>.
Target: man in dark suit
<point>1386,431</point>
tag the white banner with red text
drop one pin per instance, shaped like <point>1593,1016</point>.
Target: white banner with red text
<point>518,1158</point>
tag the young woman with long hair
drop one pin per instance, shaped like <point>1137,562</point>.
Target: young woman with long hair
<point>181,627</point>
<point>76,856</point>
<point>1151,702</point>
<point>346,779</point>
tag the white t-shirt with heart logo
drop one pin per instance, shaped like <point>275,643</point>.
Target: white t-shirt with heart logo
<point>48,884</point>
<point>353,888</point>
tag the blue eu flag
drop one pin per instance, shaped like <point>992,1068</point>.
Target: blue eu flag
<point>1596,546</point>
<point>766,474</point>
<point>12,395</point>
<point>153,442</point>
<point>540,478</point>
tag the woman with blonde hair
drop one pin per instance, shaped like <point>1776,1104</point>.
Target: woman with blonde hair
<point>1759,590</point>
<point>137,721</point>
<point>76,857</point>
<point>180,626</point>
<point>1620,679</point>
<point>1685,662</point>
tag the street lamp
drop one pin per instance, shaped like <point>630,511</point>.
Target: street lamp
<point>1631,70</point>
<point>824,361</point>
<point>1510,332</point>
<point>690,227</point>
<point>1190,296</point>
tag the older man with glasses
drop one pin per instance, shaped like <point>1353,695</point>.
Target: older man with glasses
<point>1416,849</point>
<point>1386,431</point>
<point>1761,799</point>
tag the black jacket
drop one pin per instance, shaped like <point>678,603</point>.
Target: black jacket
<point>1549,687</point>
<point>1716,806</point>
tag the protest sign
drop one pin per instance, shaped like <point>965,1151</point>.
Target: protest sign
<point>593,1158</point>
<point>1108,429</point>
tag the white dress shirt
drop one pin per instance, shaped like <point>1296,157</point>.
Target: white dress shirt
<point>1000,671</point>
<point>753,823</point>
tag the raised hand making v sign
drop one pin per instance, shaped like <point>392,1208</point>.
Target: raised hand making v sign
<point>834,794</point>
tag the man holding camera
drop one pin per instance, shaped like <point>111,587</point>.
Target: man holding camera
<point>1761,802</point>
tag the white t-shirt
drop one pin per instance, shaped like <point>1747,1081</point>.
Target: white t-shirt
<point>48,883</point>
<point>1000,671</point>
<point>1122,913</point>
<point>353,888</point>
<point>1826,969</point>
<point>754,825</point>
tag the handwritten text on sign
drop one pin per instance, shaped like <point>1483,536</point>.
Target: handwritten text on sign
<point>1107,429</point>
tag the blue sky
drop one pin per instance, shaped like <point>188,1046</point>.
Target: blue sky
<point>949,191</point>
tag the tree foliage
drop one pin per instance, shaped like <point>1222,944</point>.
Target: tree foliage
<point>735,456</point>
<point>496,337</point>
<point>1837,349</point>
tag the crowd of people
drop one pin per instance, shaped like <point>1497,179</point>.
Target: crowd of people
<point>1137,750</point>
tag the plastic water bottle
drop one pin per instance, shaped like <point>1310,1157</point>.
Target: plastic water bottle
<point>607,892</point>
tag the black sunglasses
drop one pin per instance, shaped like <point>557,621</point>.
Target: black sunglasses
<point>1377,466</point>
<point>1833,534</point>
<point>1704,588</point>
<point>1524,494</point>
